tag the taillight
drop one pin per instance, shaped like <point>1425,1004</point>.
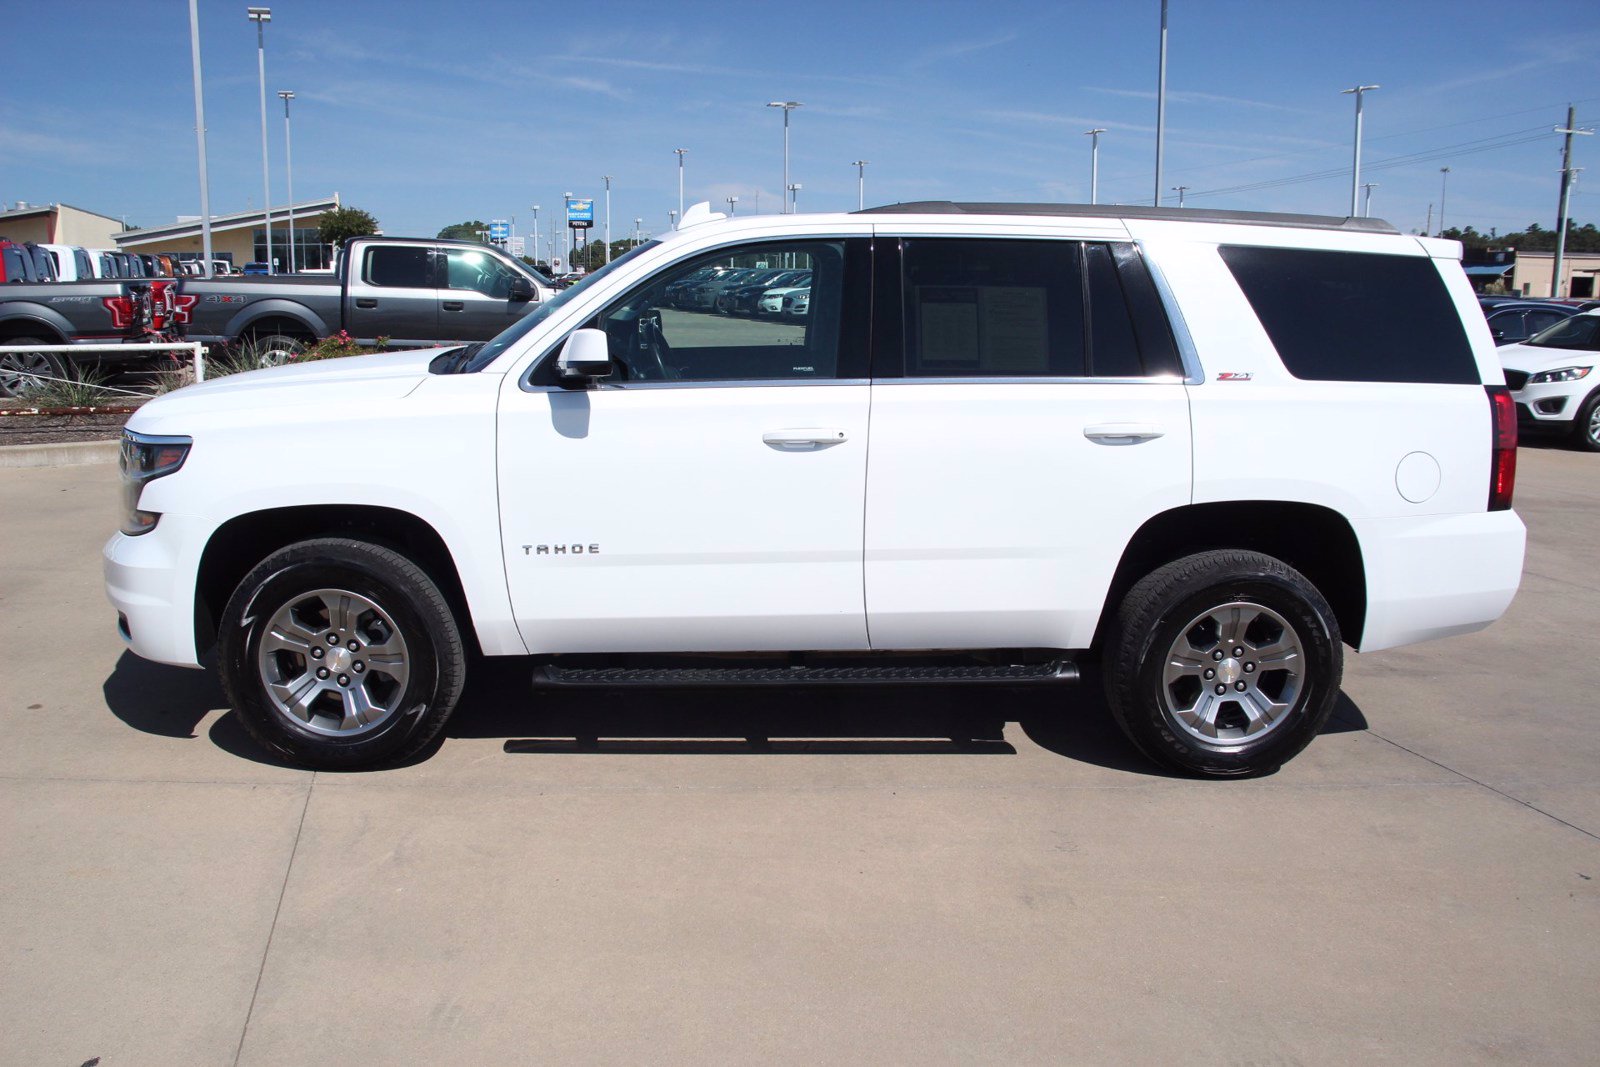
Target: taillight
<point>1503,458</point>
<point>121,308</point>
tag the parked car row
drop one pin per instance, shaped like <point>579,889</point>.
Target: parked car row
<point>30,261</point>
<point>752,291</point>
<point>1513,318</point>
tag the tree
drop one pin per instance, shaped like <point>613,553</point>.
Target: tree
<point>345,222</point>
<point>464,231</point>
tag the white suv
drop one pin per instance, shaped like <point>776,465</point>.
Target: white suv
<point>1203,449</point>
<point>1552,378</point>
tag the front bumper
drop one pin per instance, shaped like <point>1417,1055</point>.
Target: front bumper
<point>153,593</point>
<point>1550,406</point>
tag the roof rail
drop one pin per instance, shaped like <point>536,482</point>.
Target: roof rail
<point>1115,211</point>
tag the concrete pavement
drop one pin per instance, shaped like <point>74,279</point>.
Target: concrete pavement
<point>1419,886</point>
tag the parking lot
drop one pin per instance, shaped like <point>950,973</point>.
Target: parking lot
<point>909,876</point>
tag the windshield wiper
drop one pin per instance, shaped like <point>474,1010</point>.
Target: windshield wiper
<point>453,361</point>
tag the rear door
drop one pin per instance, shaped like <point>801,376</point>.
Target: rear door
<point>392,292</point>
<point>1028,415</point>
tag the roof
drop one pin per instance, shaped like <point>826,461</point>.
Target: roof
<point>238,220</point>
<point>50,209</point>
<point>1114,211</point>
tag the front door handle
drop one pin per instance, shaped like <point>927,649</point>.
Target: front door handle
<point>366,301</point>
<point>1123,433</point>
<point>803,440</point>
<point>454,305</point>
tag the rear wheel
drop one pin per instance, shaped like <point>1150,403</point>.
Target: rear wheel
<point>20,372</point>
<point>1223,664</point>
<point>341,654</point>
<point>274,350</point>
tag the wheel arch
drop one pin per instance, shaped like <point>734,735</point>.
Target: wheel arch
<point>245,540</point>
<point>46,325</point>
<point>1315,540</point>
<point>285,317</point>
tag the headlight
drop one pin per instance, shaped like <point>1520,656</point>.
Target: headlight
<point>145,458</point>
<point>1560,374</point>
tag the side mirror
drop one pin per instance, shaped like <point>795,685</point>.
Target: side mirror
<point>587,354</point>
<point>521,290</point>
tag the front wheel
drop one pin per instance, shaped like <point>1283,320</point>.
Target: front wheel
<point>1586,430</point>
<point>341,654</point>
<point>22,373</point>
<point>1223,664</point>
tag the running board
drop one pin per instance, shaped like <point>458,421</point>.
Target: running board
<point>1055,672</point>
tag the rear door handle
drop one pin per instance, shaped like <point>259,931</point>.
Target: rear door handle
<point>453,305</point>
<point>1123,433</point>
<point>366,301</point>
<point>803,440</point>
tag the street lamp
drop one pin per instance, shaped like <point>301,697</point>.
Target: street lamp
<point>288,166</point>
<point>681,153</point>
<point>200,138</point>
<point>1180,190</point>
<point>787,106</point>
<point>732,200</point>
<point>1161,102</point>
<point>672,220</point>
<point>535,230</point>
<point>573,245</point>
<point>1355,166</point>
<point>1444,183</point>
<point>1366,204</point>
<point>794,197</point>
<point>637,223</point>
<point>1094,163</point>
<point>261,16</point>
<point>861,182</point>
<point>607,178</point>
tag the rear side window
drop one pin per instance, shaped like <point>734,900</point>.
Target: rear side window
<point>1355,316</point>
<point>400,267</point>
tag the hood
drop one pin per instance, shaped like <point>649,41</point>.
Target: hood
<point>1534,358</point>
<point>381,377</point>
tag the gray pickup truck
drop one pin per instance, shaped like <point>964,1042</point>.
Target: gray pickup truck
<point>413,291</point>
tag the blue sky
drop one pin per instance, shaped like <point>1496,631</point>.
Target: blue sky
<point>429,113</point>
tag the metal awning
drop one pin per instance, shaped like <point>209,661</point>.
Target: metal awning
<point>1488,269</point>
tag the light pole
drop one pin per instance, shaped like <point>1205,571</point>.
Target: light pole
<point>861,182</point>
<point>200,137</point>
<point>732,200</point>
<point>1094,163</point>
<point>535,230</point>
<point>288,167</point>
<point>794,197</point>
<point>1444,184</point>
<point>1366,206</point>
<point>607,178</point>
<point>681,153</point>
<point>572,252</point>
<point>787,106</point>
<point>1355,165</point>
<point>261,16</point>
<point>637,223</point>
<point>672,220</point>
<point>1180,190</point>
<point>1161,101</point>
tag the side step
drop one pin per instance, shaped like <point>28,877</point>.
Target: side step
<point>1054,672</point>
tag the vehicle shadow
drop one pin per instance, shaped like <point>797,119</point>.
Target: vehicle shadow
<point>887,720</point>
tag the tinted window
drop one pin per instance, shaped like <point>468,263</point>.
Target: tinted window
<point>1355,317</point>
<point>668,329</point>
<point>1114,350</point>
<point>977,308</point>
<point>400,266</point>
<point>1580,332</point>
<point>1543,320</point>
<point>16,269</point>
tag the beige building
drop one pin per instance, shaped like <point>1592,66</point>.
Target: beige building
<point>59,224</point>
<point>1531,274</point>
<point>242,237</point>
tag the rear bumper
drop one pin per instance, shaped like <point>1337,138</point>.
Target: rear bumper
<point>1437,576</point>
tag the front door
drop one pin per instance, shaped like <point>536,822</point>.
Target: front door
<point>475,295</point>
<point>708,496</point>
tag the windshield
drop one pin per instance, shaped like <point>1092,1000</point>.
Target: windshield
<point>519,329</point>
<point>1580,332</point>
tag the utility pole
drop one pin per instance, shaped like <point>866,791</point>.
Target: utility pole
<point>1566,193</point>
<point>1180,190</point>
<point>1427,227</point>
<point>1444,185</point>
<point>1367,187</point>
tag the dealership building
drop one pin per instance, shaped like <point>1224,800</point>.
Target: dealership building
<point>241,238</point>
<point>59,224</point>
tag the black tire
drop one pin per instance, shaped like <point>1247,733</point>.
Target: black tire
<point>276,349</point>
<point>13,366</point>
<point>1165,620</point>
<point>417,706</point>
<point>1586,429</point>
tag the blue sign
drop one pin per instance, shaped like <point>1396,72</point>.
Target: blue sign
<point>499,231</point>
<point>580,214</point>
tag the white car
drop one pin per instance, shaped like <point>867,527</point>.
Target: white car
<point>771,302</point>
<point>1205,450</point>
<point>1552,378</point>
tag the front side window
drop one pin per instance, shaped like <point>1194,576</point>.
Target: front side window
<point>670,328</point>
<point>399,267</point>
<point>478,272</point>
<point>1581,332</point>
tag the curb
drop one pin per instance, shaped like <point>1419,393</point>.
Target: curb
<point>66,454</point>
